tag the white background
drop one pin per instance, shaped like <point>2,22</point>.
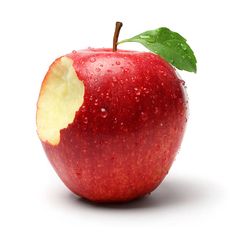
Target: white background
<point>197,197</point>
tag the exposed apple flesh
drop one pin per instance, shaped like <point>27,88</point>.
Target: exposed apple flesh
<point>121,122</point>
<point>61,96</point>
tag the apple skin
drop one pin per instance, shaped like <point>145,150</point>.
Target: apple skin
<point>125,136</point>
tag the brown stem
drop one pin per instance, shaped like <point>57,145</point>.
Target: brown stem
<point>116,35</point>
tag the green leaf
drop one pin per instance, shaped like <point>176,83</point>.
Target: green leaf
<point>169,45</point>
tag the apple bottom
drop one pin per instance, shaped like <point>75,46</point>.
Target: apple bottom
<point>114,168</point>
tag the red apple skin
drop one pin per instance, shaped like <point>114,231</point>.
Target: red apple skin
<point>125,136</point>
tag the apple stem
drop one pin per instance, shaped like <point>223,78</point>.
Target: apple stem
<point>116,35</point>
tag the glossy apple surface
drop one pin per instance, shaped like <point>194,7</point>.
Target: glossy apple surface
<point>121,142</point>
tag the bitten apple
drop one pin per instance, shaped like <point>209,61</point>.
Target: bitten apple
<point>111,122</point>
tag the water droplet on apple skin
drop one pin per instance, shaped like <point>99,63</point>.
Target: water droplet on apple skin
<point>115,120</point>
<point>125,70</point>
<point>156,110</point>
<point>117,62</point>
<point>182,82</point>
<point>92,59</point>
<point>104,113</point>
<point>85,120</point>
<point>96,102</point>
<point>114,79</point>
<point>137,91</point>
<point>144,116</point>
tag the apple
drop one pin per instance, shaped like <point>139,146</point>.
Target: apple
<point>111,121</point>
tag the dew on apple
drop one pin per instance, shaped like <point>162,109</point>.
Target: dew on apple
<point>156,110</point>
<point>125,70</point>
<point>117,62</point>
<point>137,91</point>
<point>114,79</point>
<point>74,51</point>
<point>115,120</point>
<point>104,113</point>
<point>137,99</point>
<point>146,90</point>
<point>182,82</point>
<point>92,59</point>
<point>85,120</point>
<point>97,69</point>
<point>96,102</point>
<point>144,116</point>
<point>101,65</point>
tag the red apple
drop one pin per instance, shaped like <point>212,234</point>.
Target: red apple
<point>111,122</point>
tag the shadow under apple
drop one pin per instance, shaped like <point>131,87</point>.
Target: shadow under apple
<point>171,193</point>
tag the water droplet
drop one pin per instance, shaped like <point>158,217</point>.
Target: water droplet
<point>156,110</point>
<point>145,36</point>
<point>137,99</point>
<point>161,124</point>
<point>101,65</point>
<point>107,96</point>
<point>162,84</point>
<point>146,90</point>
<point>92,59</point>
<point>114,79</point>
<point>137,91</point>
<point>182,82</point>
<point>109,71</point>
<point>85,120</point>
<point>144,116</point>
<point>91,98</point>
<point>184,47</point>
<point>98,69</point>
<point>125,70</point>
<point>104,113</point>
<point>117,62</point>
<point>96,102</point>
<point>115,120</point>
<point>74,51</point>
<point>83,109</point>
